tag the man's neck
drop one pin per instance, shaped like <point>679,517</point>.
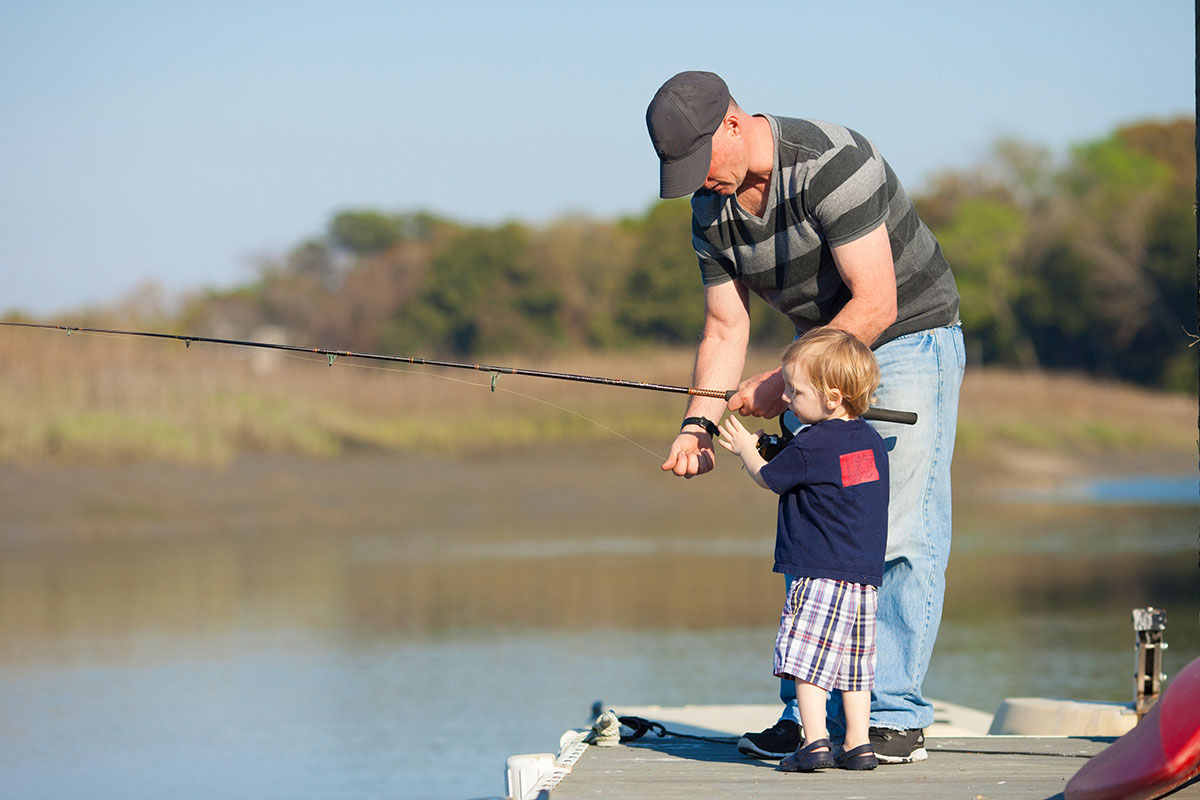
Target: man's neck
<point>752,194</point>
<point>762,148</point>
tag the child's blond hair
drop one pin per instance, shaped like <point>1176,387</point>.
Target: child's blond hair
<point>834,359</point>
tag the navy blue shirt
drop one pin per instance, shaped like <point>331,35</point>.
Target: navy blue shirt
<point>832,482</point>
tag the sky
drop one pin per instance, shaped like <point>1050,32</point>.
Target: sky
<point>182,144</point>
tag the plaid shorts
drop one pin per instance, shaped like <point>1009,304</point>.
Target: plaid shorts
<point>827,634</point>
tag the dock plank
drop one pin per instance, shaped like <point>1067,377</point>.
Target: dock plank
<point>969,768</point>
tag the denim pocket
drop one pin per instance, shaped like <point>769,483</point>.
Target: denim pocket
<point>960,349</point>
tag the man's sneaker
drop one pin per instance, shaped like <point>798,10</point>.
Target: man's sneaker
<point>778,741</point>
<point>899,747</point>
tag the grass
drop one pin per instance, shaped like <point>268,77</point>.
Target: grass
<point>99,398</point>
<point>1070,413</point>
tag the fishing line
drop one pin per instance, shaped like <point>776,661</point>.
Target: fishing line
<point>306,354</point>
<point>431,362</point>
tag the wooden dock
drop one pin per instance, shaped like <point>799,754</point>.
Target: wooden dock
<point>963,764</point>
<point>974,768</point>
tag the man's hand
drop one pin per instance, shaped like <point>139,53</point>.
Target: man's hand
<point>760,396</point>
<point>691,455</point>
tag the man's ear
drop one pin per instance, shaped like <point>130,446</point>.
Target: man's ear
<point>732,124</point>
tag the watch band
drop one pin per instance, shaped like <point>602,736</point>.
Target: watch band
<point>703,422</point>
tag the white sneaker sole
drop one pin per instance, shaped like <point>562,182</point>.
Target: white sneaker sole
<point>920,754</point>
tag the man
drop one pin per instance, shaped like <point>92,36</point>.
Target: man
<point>810,217</point>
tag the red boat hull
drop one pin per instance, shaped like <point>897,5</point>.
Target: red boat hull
<point>1158,755</point>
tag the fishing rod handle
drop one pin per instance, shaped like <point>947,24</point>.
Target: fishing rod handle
<point>877,414</point>
<point>888,415</point>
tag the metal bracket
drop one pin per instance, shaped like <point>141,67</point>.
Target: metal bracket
<point>1148,624</point>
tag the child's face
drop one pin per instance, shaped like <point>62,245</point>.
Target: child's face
<point>808,403</point>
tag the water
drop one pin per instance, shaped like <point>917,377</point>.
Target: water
<point>396,627</point>
<point>1131,489</point>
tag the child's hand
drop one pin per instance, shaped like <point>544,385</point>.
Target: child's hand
<point>735,438</point>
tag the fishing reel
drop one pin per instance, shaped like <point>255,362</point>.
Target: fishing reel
<point>769,444</point>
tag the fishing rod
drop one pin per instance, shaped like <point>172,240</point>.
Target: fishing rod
<point>879,414</point>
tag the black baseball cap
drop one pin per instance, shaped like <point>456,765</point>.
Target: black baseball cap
<point>682,118</point>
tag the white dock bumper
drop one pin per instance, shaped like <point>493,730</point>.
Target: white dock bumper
<point>527,777</point>
<point>1043,716</point>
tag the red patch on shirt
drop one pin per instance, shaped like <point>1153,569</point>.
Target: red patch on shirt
<point>859,467</point>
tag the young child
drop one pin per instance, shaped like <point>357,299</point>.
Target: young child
<point>832,482</point>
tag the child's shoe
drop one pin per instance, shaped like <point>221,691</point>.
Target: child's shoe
<point>861,757</point>
<point>810,758</point>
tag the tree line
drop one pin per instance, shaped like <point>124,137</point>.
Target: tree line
<point>1084,265</point>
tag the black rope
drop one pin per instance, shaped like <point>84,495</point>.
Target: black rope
<point>640,727</point>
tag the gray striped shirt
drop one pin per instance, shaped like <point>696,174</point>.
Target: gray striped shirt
<point>829,186</point>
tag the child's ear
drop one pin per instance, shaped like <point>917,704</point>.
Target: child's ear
<point>833,398</point>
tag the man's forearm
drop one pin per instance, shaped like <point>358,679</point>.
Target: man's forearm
<point>864,319</point>
<point>719,362</point>
<point>867,270</point>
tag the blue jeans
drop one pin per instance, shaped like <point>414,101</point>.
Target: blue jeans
<point>922,373</point>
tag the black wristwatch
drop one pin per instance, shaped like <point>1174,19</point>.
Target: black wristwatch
<point>703,422</point>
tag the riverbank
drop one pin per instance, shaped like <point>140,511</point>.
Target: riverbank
<point>103,400</point>
<point>1045,430</point>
